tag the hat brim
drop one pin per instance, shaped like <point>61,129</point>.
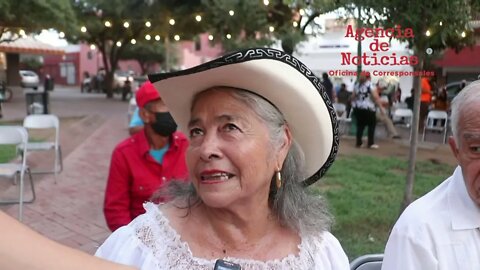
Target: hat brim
<point>279,78</point>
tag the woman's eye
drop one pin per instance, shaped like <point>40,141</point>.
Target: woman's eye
<point>194,132</point>
<point>230,127</point>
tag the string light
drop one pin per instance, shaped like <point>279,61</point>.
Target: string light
<point>22,33</point>
<point>302,12</point>
<point>440,23</point>
<point>133,41</point>
<point>295,24</point>
<point>92,47</point>
<point>176,37</point>
<point>464,34</point>
<point>266,2</point>
<point>210,37</point>
<point>229,36</point>
<point>198,18</point>
<point>231,12</point>
<point>427,33</point>
<point>157,37</point>
<point>171,22</point>
<point>108,24</point>
<point>126,24</point>
<point>148,37</point>
<point>271,28</point>
<point>83,29</point>
<point>148,24</point>
<point>119,44</point>
<point>61,35</point>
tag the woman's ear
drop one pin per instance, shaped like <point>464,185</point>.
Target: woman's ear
<point>284,147</point>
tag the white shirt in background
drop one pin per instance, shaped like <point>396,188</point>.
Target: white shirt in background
<point>439,231</point>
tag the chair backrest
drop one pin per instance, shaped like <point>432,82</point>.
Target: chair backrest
<point>43,121</point>
<point>339,109</point>
<point>436,114</point>
<point>402,112</point>
<point>367,262</point>
<point>13,135</point>
<point>433,117</point>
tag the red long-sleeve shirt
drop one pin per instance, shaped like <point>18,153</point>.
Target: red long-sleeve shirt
<point>134,176</point>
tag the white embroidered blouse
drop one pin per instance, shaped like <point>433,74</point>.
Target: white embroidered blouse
<point>149,242</point>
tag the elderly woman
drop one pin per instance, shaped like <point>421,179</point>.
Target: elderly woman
<point>261,129</point>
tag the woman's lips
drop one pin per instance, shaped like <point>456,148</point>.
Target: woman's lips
<point>214,176</point>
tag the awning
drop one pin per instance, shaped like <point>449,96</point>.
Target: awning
<point>468,57</point>
<point>29,45</point>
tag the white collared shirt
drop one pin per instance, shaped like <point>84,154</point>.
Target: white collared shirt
<point>439,231</point>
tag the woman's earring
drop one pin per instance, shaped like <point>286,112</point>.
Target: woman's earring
<point>278,179</point>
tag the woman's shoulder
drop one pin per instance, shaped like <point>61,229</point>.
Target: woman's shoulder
<point>325,247</point>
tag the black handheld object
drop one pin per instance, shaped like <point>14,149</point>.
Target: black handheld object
<point>225,265</point>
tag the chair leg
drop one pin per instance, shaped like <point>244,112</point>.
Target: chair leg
<point>60,158</point>
<point>423,137</point>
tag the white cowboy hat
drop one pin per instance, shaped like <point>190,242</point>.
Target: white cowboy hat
<point>276,76</point>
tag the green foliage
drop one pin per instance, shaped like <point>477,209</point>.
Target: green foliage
<point>251,24</point>
<point>365,195</point>
<point>35,15</point>
<point>93,14</point>
<point>247,27</point>
<point>145,53</point>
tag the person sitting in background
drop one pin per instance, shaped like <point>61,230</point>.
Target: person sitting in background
<point>255,145</point>
<point>425,101</point>
<point>344,97</point>
<point>144,162</point>
<point>441,100</point>
<point>136,123</point>
<point>327,83</point>
<point>441,229</point>
<point>409,100</point>
<point>381,86</point>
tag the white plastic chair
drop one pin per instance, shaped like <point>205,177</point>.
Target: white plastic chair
<point>367,262</point>
<point>343,122</point>
<point>436,121</point>
<point>340,109</point>
<point>403,115</point>
<point>46,121</point>
<point>18,136</point>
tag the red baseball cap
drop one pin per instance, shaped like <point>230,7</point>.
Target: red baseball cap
<point>146,93</point>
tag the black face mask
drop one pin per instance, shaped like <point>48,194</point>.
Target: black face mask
<point>164,124</point>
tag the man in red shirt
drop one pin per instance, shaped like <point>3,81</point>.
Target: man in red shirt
<point>144,162</point>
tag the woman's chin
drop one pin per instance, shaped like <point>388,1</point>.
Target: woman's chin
<point>216,199</point>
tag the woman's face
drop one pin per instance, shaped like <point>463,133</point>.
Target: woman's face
<point>230,159</point>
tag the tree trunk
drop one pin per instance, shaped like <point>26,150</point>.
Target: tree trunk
<point>359,43</point>
<point>412,156</point>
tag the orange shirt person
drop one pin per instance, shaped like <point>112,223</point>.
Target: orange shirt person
<point>425,99</point>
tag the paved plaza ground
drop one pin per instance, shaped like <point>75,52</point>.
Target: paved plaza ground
<point>70,211</point>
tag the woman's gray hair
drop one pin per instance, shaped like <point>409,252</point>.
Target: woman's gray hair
<point>292,204</point>
<point>461,103</point>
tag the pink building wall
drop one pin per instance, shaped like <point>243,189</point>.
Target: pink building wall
<point>191,56</point>
<point>81,58</point>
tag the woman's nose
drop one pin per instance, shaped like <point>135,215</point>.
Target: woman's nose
<point>209,149</point>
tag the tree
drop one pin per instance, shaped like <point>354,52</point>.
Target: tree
<point>111,24</point>
<point>436,24</point>
<point>19,18</point>
<point>146,53</point>
<point>255,24</point>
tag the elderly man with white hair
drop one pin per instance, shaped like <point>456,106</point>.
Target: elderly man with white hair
<point>441,230</point>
